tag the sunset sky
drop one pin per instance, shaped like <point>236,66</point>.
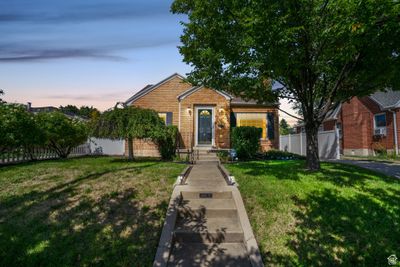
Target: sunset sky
<point>92,52</point>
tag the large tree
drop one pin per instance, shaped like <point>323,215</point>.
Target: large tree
<point>127,123</point>
<point>319,52</point>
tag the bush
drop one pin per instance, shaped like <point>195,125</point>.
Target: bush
<point>62,133</point>
<point>223,155</point>
<point>246,141</point>
<point>280,155</point>
<point>166,140</point>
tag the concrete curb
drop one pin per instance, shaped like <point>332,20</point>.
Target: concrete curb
<point>165,244</point>
<point>249,239</point>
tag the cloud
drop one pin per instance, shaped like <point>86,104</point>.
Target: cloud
<point>47,54</point>
<point>117,96</point>
<point>80,11</point>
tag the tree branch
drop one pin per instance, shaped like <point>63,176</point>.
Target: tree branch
<point>291,115</point>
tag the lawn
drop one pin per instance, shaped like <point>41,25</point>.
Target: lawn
<point>83,212</point>
<point>341,215</point>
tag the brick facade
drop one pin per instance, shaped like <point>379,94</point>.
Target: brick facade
<point>164,98</point>
<point>357,118</point>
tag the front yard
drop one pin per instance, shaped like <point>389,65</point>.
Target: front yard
<point>342,215</point>
<point>83,212</point>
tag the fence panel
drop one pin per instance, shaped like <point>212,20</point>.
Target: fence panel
<point>328,145</point>
<point>107,146</point>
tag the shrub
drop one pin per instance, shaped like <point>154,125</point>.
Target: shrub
<point>223,155</point>
<point>166,140</point>
<point>277,154</point>
<point>62,133</point>
<point>246,141</point>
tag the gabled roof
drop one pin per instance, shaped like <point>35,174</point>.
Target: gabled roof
<point>196,88</point>
<point>148,88</point>
<point>333,113</point>
<point>388,99</point>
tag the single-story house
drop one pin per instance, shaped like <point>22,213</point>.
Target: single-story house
<point>367,125</point>
<point>204,116</point>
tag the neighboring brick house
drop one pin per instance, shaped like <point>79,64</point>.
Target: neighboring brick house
<point>367,125</point>
<point>204,116</point>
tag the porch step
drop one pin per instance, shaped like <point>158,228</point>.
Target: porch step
<point>208,230</point>
<point>216,255</point>
<point>210,208</point>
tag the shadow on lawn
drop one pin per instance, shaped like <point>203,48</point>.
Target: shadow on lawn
<point>338,174</point>
<point>63,227</point>
<point>333,230</point>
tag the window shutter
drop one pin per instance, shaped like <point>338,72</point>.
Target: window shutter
<point>233,119</point>
<point>169,118</point>
<point>270,125</point>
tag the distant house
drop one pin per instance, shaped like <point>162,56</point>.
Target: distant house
<point>367,125</point>
<point>40,109</point>
<point>204,116</point>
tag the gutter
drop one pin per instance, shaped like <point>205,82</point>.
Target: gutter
<point>395,131</point>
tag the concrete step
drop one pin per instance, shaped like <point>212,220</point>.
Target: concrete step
<point>215,255</point>
<point>208,156</point>
<point>206,194</point>
<point>211,208</point>
<point>208,230</point>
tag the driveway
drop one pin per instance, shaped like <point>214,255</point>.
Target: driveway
<point>385,167</point>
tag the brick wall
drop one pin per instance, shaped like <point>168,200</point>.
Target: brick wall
<point>221,107</point>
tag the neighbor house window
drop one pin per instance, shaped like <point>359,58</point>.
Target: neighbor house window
<point>258,120</point>
<point>166,117</point>
<point>380,120</point>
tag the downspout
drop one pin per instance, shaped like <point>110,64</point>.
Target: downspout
<point>396,147</point>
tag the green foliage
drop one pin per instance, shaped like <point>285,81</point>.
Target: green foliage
<point>19,129</point>
<point>127,123</point>
<point>320,52</point>
<point>246,141</point>
<point>223,155</point>
<point>280,155</point>
<point>62,134</point>
<point>166,139</point>
<point>83,111</point>
<point>284,128</point>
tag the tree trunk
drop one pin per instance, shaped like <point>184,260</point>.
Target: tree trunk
<point>130,148</point>
<point>313,163</point>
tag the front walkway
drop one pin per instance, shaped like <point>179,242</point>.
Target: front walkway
<point>385,167</point>
<point>211,226</point>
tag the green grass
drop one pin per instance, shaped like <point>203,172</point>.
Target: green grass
<point>341,215</point>
<point>83,212</point>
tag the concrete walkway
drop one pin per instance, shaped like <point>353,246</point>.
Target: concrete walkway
<point>211,227</point>
<point>385,167</point>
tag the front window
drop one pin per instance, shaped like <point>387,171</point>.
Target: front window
<point>163,116</point>
<point>258,120</point>
<point>380,121</point>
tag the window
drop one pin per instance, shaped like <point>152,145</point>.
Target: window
<point>166,117</point>
<point>380,120</point>
<point>258,120</point>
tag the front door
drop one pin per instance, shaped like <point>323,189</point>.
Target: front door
<point>204,127</point>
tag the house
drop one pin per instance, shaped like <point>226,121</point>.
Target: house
<point>367,125</point>
<point>204,116</point>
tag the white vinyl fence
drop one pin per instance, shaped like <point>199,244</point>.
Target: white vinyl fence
<point>100,146</point>
<point>328,144</point>
<point>19,155</point>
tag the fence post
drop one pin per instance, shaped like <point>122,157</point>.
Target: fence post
<point>337,143</point>
<point>290,143</point>
<point>301,143</point>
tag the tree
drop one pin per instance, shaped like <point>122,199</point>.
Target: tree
<point>319,52</point>
<point>284,127</point>
<point>1,93</point>
<point>62,134</point>
<point>19,129</point>
<point>128,123</point>
<point>69,110</point>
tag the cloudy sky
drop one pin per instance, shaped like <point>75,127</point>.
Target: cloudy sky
<point>92,52</point>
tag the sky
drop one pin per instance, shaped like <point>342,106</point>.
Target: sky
<point>92,52</point>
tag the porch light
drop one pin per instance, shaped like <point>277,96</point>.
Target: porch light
<point>189,111</point>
